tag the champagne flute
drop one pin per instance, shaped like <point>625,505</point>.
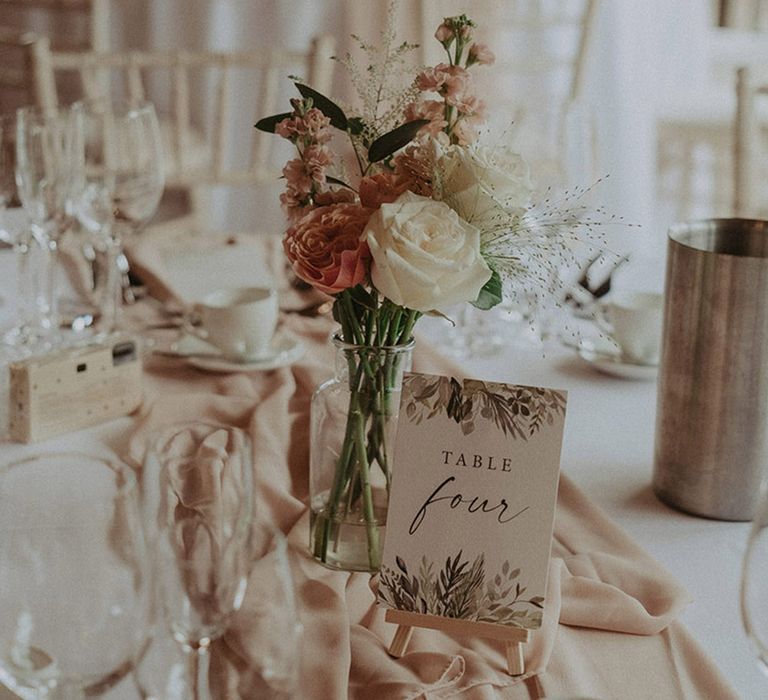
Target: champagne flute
<point>754,593</point>
<point>73,575</point>
<point>19,237</point>
<point>271,670</point>
<point>199,493</point>
<point>123,181</point>
<point>46,174</point>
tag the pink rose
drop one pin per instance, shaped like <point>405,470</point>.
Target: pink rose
<point>381,188</point>
<point>325,247</point>
<point>480,53</point>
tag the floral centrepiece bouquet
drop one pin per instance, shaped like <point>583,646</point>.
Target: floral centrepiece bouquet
<point>431,219</point>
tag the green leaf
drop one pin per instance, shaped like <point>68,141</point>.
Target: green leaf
<point>355,126</point>
<point>269,124</point>
<point>362,297</point>
<point>394,140</point>
<point>327,107</point>
<point>490,294</point>
<point>336,181</point>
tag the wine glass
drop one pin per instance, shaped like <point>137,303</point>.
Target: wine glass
<point>15,235</point>
<point>754,593</point>
<point>123,181</point>
<point>272,628</point>
<point>271,672</point>
<point>73,575</point>
<point>47,146</point>
<point>199,494</point>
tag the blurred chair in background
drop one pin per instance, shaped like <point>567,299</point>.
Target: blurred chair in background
<point>228,91</point>
<point>81,25</point>
<point>73,25</point>
<point>702,170</point>
<point>537,81</point>
<point>750,144</point>
<point>15,69</point>
<point>537,87</point>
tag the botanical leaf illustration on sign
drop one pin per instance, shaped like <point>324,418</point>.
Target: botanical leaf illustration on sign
<point>518,411</point>
<point>462,590</point>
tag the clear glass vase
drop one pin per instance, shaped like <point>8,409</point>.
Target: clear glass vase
<point>354,421</point>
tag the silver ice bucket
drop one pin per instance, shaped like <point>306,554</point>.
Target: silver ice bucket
<point>712,412</point>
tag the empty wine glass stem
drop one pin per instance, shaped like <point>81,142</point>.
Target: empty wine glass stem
<point>65,691</point>
<point>41,271</point>
<point>199,662</point>
<point>23,281</point>
<point>110,292</point>
<point>50,305</point>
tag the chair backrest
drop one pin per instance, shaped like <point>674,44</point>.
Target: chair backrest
<point>83,24</point>
<point>15,69</point>
<point>750,143</point>
<point>79,25</point>
<point>175,81</point>
<point>537,81</point>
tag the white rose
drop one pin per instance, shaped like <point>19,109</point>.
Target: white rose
<point>483,183</point>
<point>425,257</point>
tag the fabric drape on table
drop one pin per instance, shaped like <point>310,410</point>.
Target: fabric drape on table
<point>609,626</point>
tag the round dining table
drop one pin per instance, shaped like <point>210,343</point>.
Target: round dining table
<point>607,453</point>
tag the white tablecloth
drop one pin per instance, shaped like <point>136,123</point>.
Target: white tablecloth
<point>608,452</point>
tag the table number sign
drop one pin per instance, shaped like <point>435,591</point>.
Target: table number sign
<point>471,511</point>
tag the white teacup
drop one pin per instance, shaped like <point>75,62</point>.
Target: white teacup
<point>239,321</point>
<point>636,320</point>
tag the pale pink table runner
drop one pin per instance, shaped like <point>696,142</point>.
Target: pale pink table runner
<point>609,627</point>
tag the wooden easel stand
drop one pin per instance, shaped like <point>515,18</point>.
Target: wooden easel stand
<point>406,621</point>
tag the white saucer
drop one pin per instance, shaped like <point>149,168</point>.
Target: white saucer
<point>285,349</point>
<point>604,355</point>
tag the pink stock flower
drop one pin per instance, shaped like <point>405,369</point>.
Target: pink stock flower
<point>317,124</point>
<point>480,53</point>
<point>430,80</point>
<point>473,108</point>
<point>337,196</point>
<point>296,176</point>
<point>295,204</point>
<point>453,83</point>
<point>316,161</point>
<point>313,126</point>
<point>288,128</point>
<point>444,33</point>
<point>414,168</point>
<point>457,83</point>
<point>325,247</point>
<point>381,188</point>
<point>298,188</point>
<point>465,132</point>
<point>427,109</point>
